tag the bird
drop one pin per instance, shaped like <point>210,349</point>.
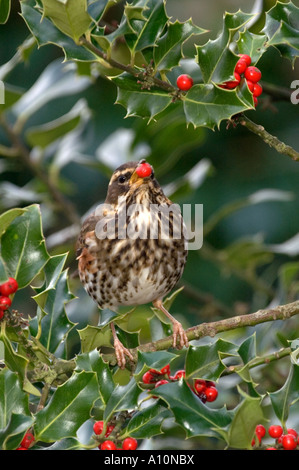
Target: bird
<point>132,249</point>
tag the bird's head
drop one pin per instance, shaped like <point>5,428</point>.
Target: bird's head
<point>132,179</point>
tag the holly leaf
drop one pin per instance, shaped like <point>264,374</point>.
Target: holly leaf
<point>252,44</point>
<point>139,101</point>
<point>169,48</point>
<point>45,32</point>
<point>4,10</point>
<point>287,395</point>
<point>22,250</point>
<point>147,422</point>
<point>68,408</point>
<point>207,105</point>
<point>188,408</point>
<point>147,20</point>
<point>282,29</point>
<point>123,397</point>
<point>245,418</point>
<point>205,361</point>
<point>69,16</point>
<point>216,60</point>
<point>15,417</point>
<point>93,362</point>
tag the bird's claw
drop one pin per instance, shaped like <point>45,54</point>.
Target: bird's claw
<point>178,331</point>
<point>121,352</point>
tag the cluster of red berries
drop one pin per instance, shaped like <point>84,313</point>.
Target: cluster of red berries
<point>204,389</point>
<point>27,441</point>
<point>129,443</point>
<point>251,74</point>
<point>285,441</point>
<point>9,287</point>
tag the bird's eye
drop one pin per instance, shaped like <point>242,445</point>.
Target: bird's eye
<point>122,179</point>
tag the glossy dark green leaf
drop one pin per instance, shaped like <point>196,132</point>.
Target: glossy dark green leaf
<point>93,337</point>
<point>206,361</point>
<point>153,360</point>
<point>189,412</point>
<point>207,105</point>
<point>46,32</point>
<point>65,444</point>
<point>23,249</point>
<point>215,59</point>
<point>54,323</point>
<point>4,10</point>
<point>147,422</point>
<point>287,395</point>
<point>15,417</point>
<point>252,45</point>
<point>282,29</point>
<point>70,16</point>
<point>147,24</point>
<point>68,408</point>
<point>245,418</point>
<point>139,101</point>
<point>123,397</point>
<point>169,49</point>
<point>93,362</point>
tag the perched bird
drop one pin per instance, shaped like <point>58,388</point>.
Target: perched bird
<point>132,250</point>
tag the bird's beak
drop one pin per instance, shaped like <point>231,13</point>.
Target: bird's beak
<point>137,180</point>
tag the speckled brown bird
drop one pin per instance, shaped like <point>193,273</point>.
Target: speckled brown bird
<point>133,264</point>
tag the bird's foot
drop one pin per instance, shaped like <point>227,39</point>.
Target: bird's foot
<point>121,352</point>
<point>178,331</point>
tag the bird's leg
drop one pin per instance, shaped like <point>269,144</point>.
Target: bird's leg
<point>178,330</point>
<point>120,350</point>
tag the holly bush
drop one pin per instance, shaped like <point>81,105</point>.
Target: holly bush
<point>58,371</point>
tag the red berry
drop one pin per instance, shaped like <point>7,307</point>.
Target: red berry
<point>98,427</point>
<point>211,394</point>
<point>260,431</point>
<point>241,66</point>
<point>253,74</point>
<point>292,431</point>
<point>271,448</point>
<point>27,440</point>
<point>289,442</point>
<point>107,445</point>
<point>148,378</point>
<point>200,386</point>
<point>110,428</point>
<point>250,85</point>
<point>231,84</point>
<point>257,90</point>
<point>165,370</point>
<point>5,302</point>
<point>161,382</point>
<point>9,287</point>
<point>184,82</point>
<point>255,100</point>
<point>144,170</point>
<point>129,444</point>
<point>179,374</point>
<point>1,314</point>
<point>21,448</point>
<point>245,57</point>
<point>275,431</point>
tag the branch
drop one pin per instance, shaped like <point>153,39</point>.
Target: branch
<point>140,75</point>
<point>281,312</point>
<point>269,139</point>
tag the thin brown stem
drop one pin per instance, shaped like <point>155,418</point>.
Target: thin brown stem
<point>269,139</point>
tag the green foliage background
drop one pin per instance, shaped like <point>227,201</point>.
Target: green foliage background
<point>249,190</point>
